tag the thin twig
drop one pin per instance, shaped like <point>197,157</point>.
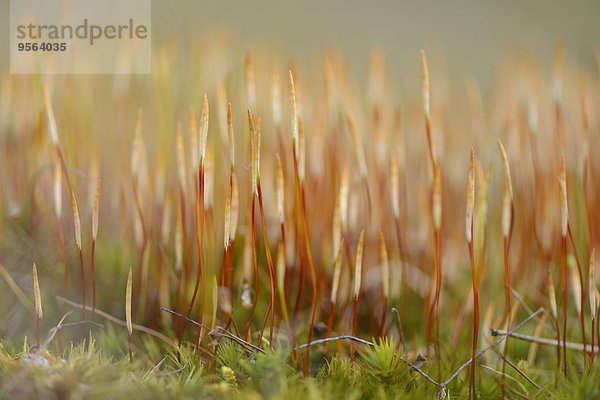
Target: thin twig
<point>544,341</point>
<point>218,331</point>
<point>523,374</point>
<point>530,311</point>
<point>496,343</point>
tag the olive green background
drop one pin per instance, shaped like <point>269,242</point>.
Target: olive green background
<point>471,35</point>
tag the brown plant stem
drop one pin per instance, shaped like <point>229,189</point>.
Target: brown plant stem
<point>61,239</point>
<point>564,294</point>
<point>311,265</point>
<point>383,315</point>
<point>438,289</point>
<point>557,351</point>
<point>592,352</point>
<point>300,251</point>
<point>186,258</point>
<point>93,280</point>
<point>352,327</point>
<point>252,224</point>
<point>224,279</point>
<point>403,265</point>
<point>329,325</point>
<point>475,317</point>
<point>199,210</point>
<point>200,254</point>
<point>269,263</point>
<point>508,304</point>
<point>82,293</point>
<point>582,291</point>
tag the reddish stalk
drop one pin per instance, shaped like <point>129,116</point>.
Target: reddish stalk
<point>297,144</point>
<point>469,233</point>
<point>226,240</point>
<point>82,292</point>
<point>235,205</point>
<point>592,293</point>
<point>38,305</point>
<point>282,229</point>
<point>300,252</point>
<point>280,275</point>
<point>329,325</point>
<point>352,327</point>
<point>294,123</point>
<point>508,302</point>
<point>398,188</point>
<point>252,229</point>
<point>61,238</point>
<point>93,280</point>
<point>438,290</point>
<point>313,278</point>
<point>436,176</point>
<point>257,192</point>
<point>385,279</point>
<point>357,282</point>
<point>564,294</point>
<point>582,291</point>
<point>401,253</point>
<point>200,277</point>
<point>199,209</point>
<point>77,231</point>
<point>128,313</point>
<point>182,190</point>
<point>53,131</point>
<point>224,269</point>
<point>182,254</point>
<point>598,326</point>
<point>437,224</point>
<point>475,318</point>
<point>229,265</point>
<point>337,271</point>
<point>202,139</point>
<point>554,310</point>
<point>94,235</point>
<point>593,350</point>
<point>383,315</point>
<point>507,224</point>
<point>136,155</point>
<point>557,351</point>
<point>186,257</point>
<point>138,208</point>
<point>269,263</point>
<point>280,199</point>
<point>564,214</point>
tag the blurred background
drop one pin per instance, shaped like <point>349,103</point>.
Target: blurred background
<point>471,35</point>
<point>492,72</point>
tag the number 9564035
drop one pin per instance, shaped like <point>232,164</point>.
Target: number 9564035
<point>44,46</point>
